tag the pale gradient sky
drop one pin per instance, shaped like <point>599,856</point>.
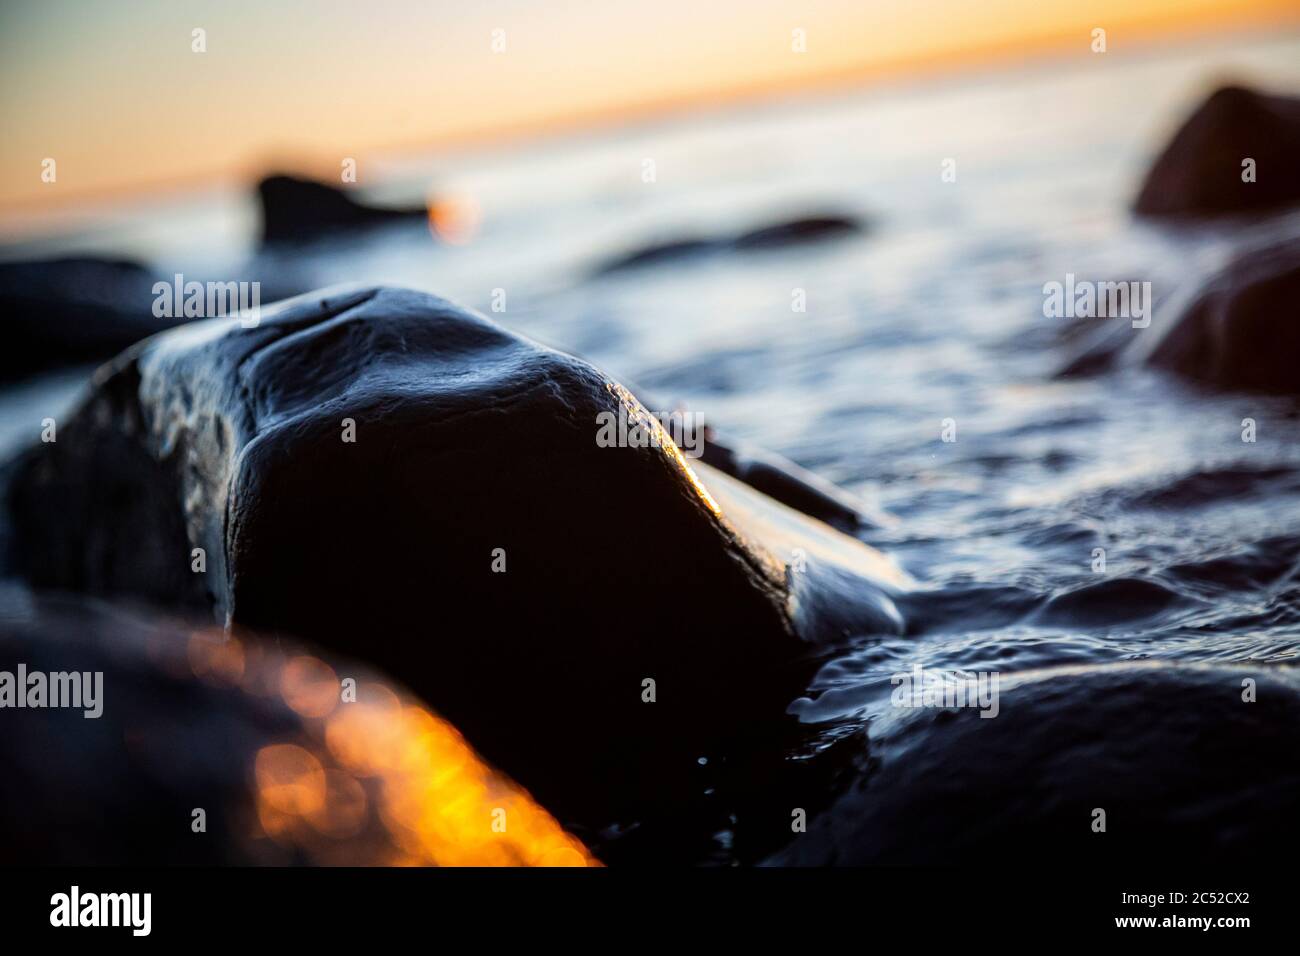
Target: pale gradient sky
<point>114,94</point>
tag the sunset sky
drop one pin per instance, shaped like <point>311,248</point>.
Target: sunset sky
<point>113,92</point>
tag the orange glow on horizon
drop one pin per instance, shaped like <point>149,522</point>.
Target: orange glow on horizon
<point>406,76</point>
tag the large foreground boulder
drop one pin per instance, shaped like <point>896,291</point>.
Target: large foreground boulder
<point>1200,172</point>
<point>399,480</point>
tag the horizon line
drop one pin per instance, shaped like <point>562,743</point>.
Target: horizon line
<point>1151,34</point>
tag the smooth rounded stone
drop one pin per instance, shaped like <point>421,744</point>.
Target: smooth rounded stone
<point>301,210</point>
<point>816,228</point>
<point>661,253</point>
<point>774,475</point>
<point>1200,172</point>
<point>777,235</point>
<point>1184,769</point>
<point>1095,351</point>
<point>786,482</point>
<point>473,447</point>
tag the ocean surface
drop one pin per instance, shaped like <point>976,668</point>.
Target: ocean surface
<point>934,312</point>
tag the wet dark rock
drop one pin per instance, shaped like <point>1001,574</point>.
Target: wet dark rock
<point>783,480</point>
<point>120,788</point>
<point>620,566</point>
<point>774,475</point>
<point>1184,768</point>
<point>1242,327</point>
<point>71,310</point>
<point>68,311</point>
<point>797,231</point>
<point>1238,328</point>
<point>665,252</point>
<point>301,210</point>
<point>791,232</point>
<point>1097,351</point>
<point>170,714</point>
<point>1200,171</point>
